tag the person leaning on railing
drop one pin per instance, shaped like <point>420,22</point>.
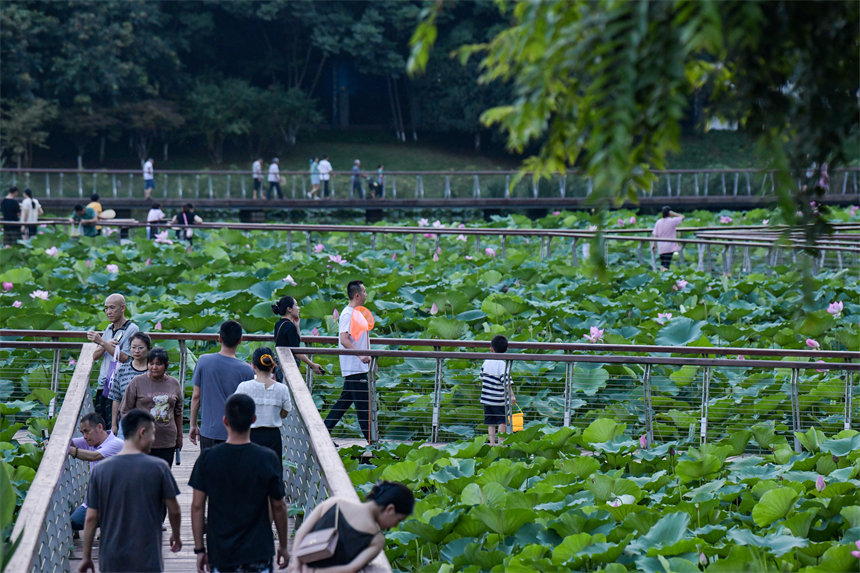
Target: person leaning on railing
<point>95,445</point>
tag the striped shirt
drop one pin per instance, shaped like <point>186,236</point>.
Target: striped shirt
<point>493,382</point>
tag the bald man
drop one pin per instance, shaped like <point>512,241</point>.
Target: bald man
<point>113,349</point>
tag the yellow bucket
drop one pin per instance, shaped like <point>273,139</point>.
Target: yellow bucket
<point>518,420</point>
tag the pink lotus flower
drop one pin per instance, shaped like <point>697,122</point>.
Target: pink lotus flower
<point>615,502</point>
<point>725,220</point>
<point>643,441</point>
<point>820,369</point>
<point>148,262</point>
<point>765,221</point>
<point>315,331</point>
<point>856,553</point>
<point>517,283</point>
<point>819,483</point>
<point>468,257</point>
<point>835,308</point>
<point>461,226</point>
<point>113,269</point>
<point>592,227</point>
<point>853,209</point>
<point>247,245</point>
<point>89,264</point>
<point>7,286</point>
<point>52,252</point>
<point>43,226</point>
<point>162,238</point>
<point>429,236</point>
<point>741,357</point>
<point>663,317</point>
<point>335,315</point>
<point>703,559</point>
<point>289,280</point>
<point>490,252</point>
<point>337,259</point>
<point>17,304</point>
<point>435,257</point>
<point>318,247</point>
<point>620,222</point>
<point>42,294</point>
<point>393,256</point>
<point>680,284</point>
<point>460,238</point>
<point>438,250</point>
<point>556,213</point>
<point>812,343</point>
<point>72,361</point>
<point>434,309</point>
<point>595,336</point>
<point>158,325</point>
<point>438,224</point>
<point>631,220</point>
<point>423,222</point>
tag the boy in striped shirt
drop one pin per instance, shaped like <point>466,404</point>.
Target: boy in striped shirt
<point>493,380</point>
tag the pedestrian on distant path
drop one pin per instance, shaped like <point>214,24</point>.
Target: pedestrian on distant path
<point>325,169</point>
<point>95,446</point>
<point>288,331</point>
<point>274,179</point>
<point>494,378</point>
<point>215,379</point>
<point>185,220</point>
<point>241,482</point>
<point>353,368</point>
<point>126,499</point>
<point>96,205</point>
<point>163,398</point>
<point>30,211</point>
<point>359,526</point>
<point>11,214</point>
<point>148,178</point>
<point>85,219</point>
<point>114,348</point>
<point>356,179</point>
<point>140,346</point>
<point>666,228</point>
<point>315,178</point>
<point>155,216</point>
<point>271,399</point>
<point>257,174</point>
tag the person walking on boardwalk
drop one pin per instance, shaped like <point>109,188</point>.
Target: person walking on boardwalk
<point>325,170</point>
<point>666,228</point>
<point>242,483</point>
<point>127,498</point>
<point>356,179</point>
<point>12,215</point>
<point>271,400</point>
<point>95,445</point>
<point>274,179</point>
<point>215,379</point>
<point>354,369</point>
<point>30,211</point>
<point>148,178</point>
<point>315,178</point>
<point>257,174</point>
<point>114,348</point>
<point>288,332</point>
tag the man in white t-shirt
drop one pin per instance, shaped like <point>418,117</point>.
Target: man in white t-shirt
<point>665,228</point>
<point>257,174</point>
<point>325,174</point>
<point>353,368</point>
<point>274,179</point>
<point>148,178</point>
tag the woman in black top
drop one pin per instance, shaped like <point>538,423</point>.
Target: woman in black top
<point>287,331</point>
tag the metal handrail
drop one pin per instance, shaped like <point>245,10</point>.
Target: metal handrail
<point>631,349</point>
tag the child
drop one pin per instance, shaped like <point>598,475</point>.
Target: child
<point>493,379</point>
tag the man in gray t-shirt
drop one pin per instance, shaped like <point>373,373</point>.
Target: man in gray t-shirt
<point>126,499</point>
<point>215,379</point>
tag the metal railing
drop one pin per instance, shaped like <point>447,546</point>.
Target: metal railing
<point>215,184</point>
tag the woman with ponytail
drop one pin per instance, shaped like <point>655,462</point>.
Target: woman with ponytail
<point>287,331</point>
<point>272,400</point>
<point>359,525</point>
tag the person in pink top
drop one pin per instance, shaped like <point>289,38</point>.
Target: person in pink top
<point>665,228</point>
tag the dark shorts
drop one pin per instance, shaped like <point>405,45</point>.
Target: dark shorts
<point>149,183</point>
<point>666,260</point>
<point>206,443</point>
<point>258,184</point>
<point>494,414</point>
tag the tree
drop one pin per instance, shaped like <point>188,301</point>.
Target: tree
<point>148,119</point>
<point>23,125</point>
<point>601,85</point>
<point>217,109</point>
<point>82,123</point>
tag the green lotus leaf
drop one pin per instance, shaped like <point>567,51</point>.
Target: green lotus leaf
<point>503,521</point>
<point>841,447</point>
<point>679,331</point>
<point>773,505</point>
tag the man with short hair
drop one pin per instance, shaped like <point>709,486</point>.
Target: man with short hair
<point>11,210</point>
<point>257,174</point>
<point>148,178</point>
<point>242,483</point>
<point>127,498</point>
<point>274,179</point>
<point>95,446</point>
<point>353,368</point>
<point>86,219</point>
<point>215,379</point>
<point>114,349</point>
<point>356,179</point>
<point>325,170</point>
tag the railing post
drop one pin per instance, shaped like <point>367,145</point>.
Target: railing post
<point>646,393</point>
<point>706,397</point>
<point>80,185</point>
<point>437,399</point>
<point>421,181</point>
<point>795,408</point>
<point>849,399</point>
<point>211,191</point>
<point>747,261</point>
<point>590,186</point>
<point>289,244</point>
<point>241,179</point>
<point>707,176</point>
<point>573,253</point>
<point>414,243</point>
<point>48,185</point>
<point>504,245</point>
<point>95,182</point>
<point>735,189</point>
<point>700,266</point>
<point>197,186</point>
<point>61,184</point>
<point>183,363</point>
<point>562,185</point>
<point>568,392</point>
<point>749,187</point>
<point>476,188</point>
<point>447,186</point>
<point>164,184</point>
<point>696,183</point>
<point>130,184</point>
<point>55,380</point>
<point>507,186</point>
<point>509,420</point>
<point>723,177</point>
<point>228,185</point>
<point>350,243</point>
<point>394,187</point>
<point>668,185</point>
<point>681,253</point>
<point>308,241</point>
<point>374,403</point>
<point>293,191</point>
<point>179,186</point>
<point>678,186</point>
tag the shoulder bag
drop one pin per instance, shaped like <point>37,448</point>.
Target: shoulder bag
<point>320,544</point>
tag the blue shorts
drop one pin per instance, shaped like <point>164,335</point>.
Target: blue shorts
<point>149,183</point>
<point>494,415</point>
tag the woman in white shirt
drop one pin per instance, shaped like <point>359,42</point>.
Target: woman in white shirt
<point>271,398</point>
<point>155,215</point>
<point>30,211</point>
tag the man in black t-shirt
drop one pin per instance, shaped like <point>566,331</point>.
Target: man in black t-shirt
<point>241,481</point>
<point>11,212</point>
